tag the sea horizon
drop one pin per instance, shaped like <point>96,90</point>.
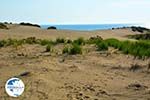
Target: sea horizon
<point>87,27</point>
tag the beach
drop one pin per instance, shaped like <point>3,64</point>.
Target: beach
<point>92,75</point>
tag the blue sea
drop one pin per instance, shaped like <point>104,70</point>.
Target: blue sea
<point>87,27</point>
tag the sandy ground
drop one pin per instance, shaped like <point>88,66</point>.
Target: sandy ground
<point>55,76</point>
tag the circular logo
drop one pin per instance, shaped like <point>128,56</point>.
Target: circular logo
<point>14,87</point>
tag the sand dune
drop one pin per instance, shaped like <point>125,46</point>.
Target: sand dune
<point>90,76</point>
<point>17,31</point>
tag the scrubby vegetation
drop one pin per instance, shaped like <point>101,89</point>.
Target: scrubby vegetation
<point>102,46</point>
<point>141,36</point>
<point>60,40</point>
<point>49,48</point>
<point>139,48</point>
<point>29,24</point>
<point>3,26</point>
<point>73,49</point>
<point>52,27</point>
<point>79,41</point>
<point>139,29</point>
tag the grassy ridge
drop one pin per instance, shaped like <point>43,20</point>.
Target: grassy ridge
<point>139,49</point>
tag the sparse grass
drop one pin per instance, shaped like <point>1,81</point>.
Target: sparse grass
<point>140,49</point>
<point>73,49</point>
<point>3,26</point>
<point>79,41</point>
<point>48,48</point>
<point>60,40</point>
<point>135,67</point>
<point>141,36</point>
<point>45,42</point>
<point>66,50</point>
<point>102,46</point>
<point>69,41</point>
<point>31,40</point>
<point>2,43</point>
<point>94,41</point>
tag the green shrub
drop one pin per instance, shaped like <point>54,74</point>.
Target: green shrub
<point>69,41</point>
<point>60,40</point>
<point>46,42</point>
<point>49,48</point>
<point>2,43</point>
<point>113,43</point>
<point>75,49</point>
<point>72,50</point>
<point>66,50</point>
<point>79,41</point>
<point>138,49</point>
<point>102,46</point>
<point>31,40</point>
<point>94,40</point>
<point>3,26</point>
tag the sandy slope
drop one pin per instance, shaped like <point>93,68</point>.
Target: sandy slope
<point>90,76</point>
<point>17,31</point>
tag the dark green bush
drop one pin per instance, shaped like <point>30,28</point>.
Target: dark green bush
<point>113,43</point>
<point>46,42</point>
<point>69,41</point>
<point>2,43</point>
<point>60,40</point>
<point>102,46</point>
<point>79,41</point>
<point>75,49</point>
<point>94,40</point>
<point>3,26</point>
<point>49,48</point>
<point>138,49</point>
<point>31,40</point>
<point>66,50</point>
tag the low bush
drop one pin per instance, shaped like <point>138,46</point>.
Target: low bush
<point>60,40</point>
<point>29,24</point>
<point>69,41</point>
<point>31,40</point>
<point>102,46</point>
<point>3,26</point>
<point>46,42</point>
<point>49,48</point>
<point>79,41</point>
<point>66,49</point>
<point>73,50</point>
<point>52,27</point>
<point>2,43</point>
<point>94,40</point>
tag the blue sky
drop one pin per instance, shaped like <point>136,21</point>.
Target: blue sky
<point>75,11</point>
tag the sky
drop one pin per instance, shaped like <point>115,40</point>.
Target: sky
<point>75,11</point>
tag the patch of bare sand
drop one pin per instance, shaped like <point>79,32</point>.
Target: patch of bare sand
<point>91,76</point>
